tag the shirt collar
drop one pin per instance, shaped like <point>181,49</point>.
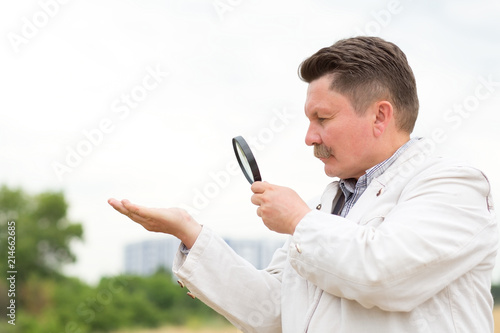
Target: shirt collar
<point>350,185</point>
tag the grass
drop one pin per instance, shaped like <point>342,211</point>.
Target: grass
<point>231,329</point>
<point>496,317</point>
<point>193,325</point>
<point>176,329</point>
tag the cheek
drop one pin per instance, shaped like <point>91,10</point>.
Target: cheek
<point>332,136</point>
<point>350,143</point>
<point>346,139</point>
<point>359,145</point>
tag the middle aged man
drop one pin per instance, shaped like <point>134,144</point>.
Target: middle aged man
<point>402,242</point>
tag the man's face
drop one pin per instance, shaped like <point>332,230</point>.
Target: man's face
<point>343,140</point>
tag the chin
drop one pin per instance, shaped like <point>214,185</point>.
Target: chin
<point>329,172</point>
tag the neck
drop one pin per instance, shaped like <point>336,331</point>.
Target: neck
<point>395,144</point>
<point>386,150</point>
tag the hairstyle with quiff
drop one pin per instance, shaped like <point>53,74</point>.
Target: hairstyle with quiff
<point>367,69</point>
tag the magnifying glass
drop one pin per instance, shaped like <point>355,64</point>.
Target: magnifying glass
<point>246,160</point>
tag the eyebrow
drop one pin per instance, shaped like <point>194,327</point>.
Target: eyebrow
<point>325,112</point>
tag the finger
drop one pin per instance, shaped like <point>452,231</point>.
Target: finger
<point>130,212</point>
<point>117,205</point>
<point>140,214</point>
<point>112,202</point>
<point>133,208</point>
<point>256,199</point>
<point>258,187</point>
<point>137,213</point>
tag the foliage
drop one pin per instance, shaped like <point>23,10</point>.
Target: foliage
<point>495,291</point>
<point>71,306</point>
<point>49,302</point>
<point>42,232</point>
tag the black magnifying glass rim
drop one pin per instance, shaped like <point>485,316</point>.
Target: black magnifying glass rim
<point>250,159</point>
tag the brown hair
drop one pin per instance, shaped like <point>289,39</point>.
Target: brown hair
<point>366,69</point>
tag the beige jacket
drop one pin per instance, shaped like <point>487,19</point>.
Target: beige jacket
<point>414,254</point>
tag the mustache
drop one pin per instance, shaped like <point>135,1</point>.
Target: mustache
<point>322,151</point>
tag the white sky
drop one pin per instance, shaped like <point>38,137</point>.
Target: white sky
<point>231,71</point>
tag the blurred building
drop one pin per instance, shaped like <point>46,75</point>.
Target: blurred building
<point>146,257</point>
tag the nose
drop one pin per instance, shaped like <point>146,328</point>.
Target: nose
<point>312,135</point>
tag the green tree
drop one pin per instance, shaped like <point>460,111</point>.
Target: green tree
<point>48,302</point>
<point>43,232</point>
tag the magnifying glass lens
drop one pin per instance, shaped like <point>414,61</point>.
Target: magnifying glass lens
<point>246,160</point>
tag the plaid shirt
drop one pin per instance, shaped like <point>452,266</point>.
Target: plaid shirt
<point>353,189</point>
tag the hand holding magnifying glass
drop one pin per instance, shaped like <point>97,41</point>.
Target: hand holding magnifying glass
<point>280,208</point>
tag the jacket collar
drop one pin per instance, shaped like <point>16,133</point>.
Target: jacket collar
<point>402,168</point>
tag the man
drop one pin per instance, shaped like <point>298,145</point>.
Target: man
<point>403,242</point>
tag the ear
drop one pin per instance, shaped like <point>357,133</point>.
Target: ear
<point>384,114</point>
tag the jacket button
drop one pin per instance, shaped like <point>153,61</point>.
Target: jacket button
<point>190,294</point>
<point>318,207</point>
<point>180,283</point>
<point>297,247</point>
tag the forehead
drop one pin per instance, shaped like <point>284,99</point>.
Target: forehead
<point>321,98</point>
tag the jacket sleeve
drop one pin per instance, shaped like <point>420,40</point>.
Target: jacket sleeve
<point>247,297</point>
<point>441,226</point>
